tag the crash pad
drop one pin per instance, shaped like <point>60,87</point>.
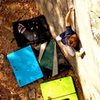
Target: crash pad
<point>25,66</point>
<point>59,89</point>
<point>31,31</point>
<point>48,56</point>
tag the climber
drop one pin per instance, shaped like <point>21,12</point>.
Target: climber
<point>69,37</point>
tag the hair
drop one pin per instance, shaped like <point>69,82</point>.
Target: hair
<point>73,40</point>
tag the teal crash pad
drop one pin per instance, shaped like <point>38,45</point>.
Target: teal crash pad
<point>25,66</point>
<point>48,56</point>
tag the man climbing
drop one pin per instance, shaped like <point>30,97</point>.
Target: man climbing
<point>69,37</point>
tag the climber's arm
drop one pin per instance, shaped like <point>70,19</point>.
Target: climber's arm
<point>67,22</point>
<point>67,18</point>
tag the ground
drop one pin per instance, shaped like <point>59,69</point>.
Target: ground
<point>11,11</point>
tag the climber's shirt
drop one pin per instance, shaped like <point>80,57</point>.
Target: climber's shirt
<point>66,34</point>
<point>64,38</point>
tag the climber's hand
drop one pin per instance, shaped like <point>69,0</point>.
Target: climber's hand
<point>71,8</point>
<point>80,53</point>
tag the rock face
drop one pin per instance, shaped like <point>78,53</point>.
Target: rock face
<point>86,22</point>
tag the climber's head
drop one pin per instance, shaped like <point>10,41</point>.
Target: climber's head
<point>73,40</point>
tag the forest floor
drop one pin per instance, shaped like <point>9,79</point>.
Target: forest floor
<point>11,11</point>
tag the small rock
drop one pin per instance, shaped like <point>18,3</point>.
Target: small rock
<point>16,97</point>
<point>1,58</point>
<point>1,75</point>
<point>32,94</point>
<point>1,67</point>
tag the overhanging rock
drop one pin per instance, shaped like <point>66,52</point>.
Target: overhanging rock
<point>87,25</point>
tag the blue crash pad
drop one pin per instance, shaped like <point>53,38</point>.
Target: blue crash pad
<point>25,66</point>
